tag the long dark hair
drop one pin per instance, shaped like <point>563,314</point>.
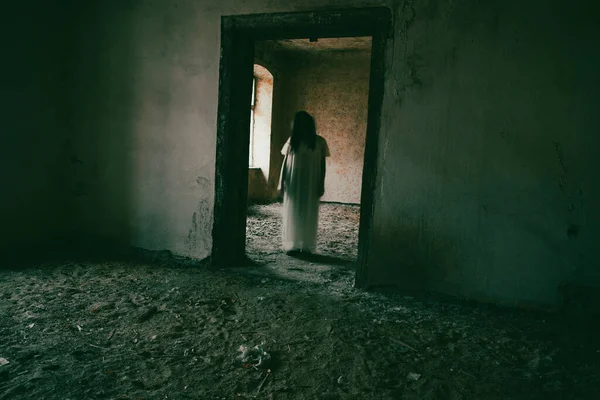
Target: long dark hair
<point>304,131</point>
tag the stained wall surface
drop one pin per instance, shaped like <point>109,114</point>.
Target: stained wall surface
<point>34,153</point>
<point>486,171</point>
<point>487,176</point>
<point>334,88</point>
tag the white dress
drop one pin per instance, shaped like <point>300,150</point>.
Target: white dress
<point>302,179</point>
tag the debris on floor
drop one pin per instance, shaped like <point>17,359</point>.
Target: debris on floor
<point>254,356</point>
<point>320,339</point>
<point>338,231</point>
<point>161,332</point>
<point>413,376</point>
<point>337,244</point>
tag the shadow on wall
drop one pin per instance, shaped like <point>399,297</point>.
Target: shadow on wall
<point>33,131</point>
<point>581,303</point>
<point>257,187</point>
<point>103,104</point>
<point>416,258</point>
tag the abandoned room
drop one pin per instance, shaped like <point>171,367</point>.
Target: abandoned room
<point>152,154</point>
<point>329,78</point>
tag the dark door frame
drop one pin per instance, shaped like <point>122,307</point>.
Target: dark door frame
<point>238,35</point>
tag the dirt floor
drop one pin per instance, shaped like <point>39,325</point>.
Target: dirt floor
<point>136,330</point>
<point>337,244</point>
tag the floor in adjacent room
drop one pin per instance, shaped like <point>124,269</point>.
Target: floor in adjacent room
<point>337,244</point>
<point>133,330</point>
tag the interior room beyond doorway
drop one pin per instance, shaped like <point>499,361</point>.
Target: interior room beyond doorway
<point>329,78</point>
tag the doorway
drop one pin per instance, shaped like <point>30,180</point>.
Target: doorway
<point>236,82</point>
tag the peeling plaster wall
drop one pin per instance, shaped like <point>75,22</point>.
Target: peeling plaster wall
<point>34,126</point>
<point>487,176</point>
<point>334,88</point>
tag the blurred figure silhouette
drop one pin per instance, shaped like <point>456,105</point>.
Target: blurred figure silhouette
<point>302,184</point>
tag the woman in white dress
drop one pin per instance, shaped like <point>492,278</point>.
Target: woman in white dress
<point>302,183</point>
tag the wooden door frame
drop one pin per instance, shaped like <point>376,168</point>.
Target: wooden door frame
<point>238,35</point>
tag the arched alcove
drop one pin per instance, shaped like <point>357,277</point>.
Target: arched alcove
<point>260,133</point>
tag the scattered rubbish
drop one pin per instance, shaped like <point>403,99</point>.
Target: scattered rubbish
<point>110,335</point>
<point>79,328</point>
<point>236,297</point>
<point>101,306</point>
<point>4,361</point>
<point>153,337</point>
<point>401,343</point>
<point>467,374</point>
<point>31,325</point>
<point>149,313</point>
<point>263,381</point>
<point>260,298</point>
<point>340,380</point>
<point>414,376</point>
<point>253,356</point>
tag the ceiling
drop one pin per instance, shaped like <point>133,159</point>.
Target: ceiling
<point>358,44</point>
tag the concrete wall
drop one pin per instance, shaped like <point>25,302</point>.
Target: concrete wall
<point>486,172</point>
<point>145,123</point>
<point>487,182</point>
<point>33,149</point>
<point>334,88</point>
